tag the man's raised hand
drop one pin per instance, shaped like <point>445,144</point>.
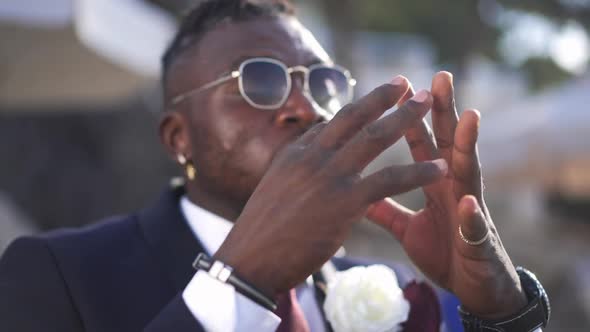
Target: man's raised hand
<point>305,205</point>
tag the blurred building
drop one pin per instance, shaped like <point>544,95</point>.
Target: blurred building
<point>78,126</point>
<point>43,67</point>
<point>542,141</point>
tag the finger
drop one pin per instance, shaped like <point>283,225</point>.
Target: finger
<point>465,161</point>
<point>390,215</point>
<point>420,138</point>
<point>355,116</point>
<point>311,133</point>
<point>409,94</point>
<point>373,139</point>
<point>395,180</point>
<point>474,228</point>
<point>444,114</point>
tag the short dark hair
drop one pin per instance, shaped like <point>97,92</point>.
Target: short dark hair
<point>209,13</point>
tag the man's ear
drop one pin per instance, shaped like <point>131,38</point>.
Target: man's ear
<point>174,134</point>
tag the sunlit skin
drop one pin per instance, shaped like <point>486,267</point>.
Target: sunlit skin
<point>295,198</point>
<point>230,142</point>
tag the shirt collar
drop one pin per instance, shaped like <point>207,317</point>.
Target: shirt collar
<point>208,227</point>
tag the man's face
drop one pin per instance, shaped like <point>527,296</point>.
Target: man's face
<point>231,142</point>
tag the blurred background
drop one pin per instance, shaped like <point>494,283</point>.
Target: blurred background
<point>80,97</point>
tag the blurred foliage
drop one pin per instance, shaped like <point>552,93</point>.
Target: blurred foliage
<point>457,29</point>
<point>174,6</point>
<point>558,10</point>
<point>453,27</point>
<point>543,72</point>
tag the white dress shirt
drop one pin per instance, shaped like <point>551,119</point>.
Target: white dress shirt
<point>216,305</point>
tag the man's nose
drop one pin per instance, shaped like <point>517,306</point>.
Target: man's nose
<point>298,109</point>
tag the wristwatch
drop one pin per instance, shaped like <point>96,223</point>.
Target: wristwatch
<point>535,315</point>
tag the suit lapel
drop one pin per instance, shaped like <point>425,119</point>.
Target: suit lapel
<point>173,244</point>
<point>175,247</point>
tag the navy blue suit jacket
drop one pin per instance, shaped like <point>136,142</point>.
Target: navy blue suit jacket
<point>123,274</point>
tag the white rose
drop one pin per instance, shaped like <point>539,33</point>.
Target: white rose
<point>366,299</point>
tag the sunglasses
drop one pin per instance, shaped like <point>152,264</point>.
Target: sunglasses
<point>265,83</point>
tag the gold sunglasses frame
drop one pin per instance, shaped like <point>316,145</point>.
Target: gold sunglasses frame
<point>237,74</point>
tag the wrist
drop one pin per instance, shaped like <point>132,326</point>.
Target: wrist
<point>226,274</point>
<point>534,315</point>
<point>249,271</point>
<point>504,297</point>
<point>510,302</point>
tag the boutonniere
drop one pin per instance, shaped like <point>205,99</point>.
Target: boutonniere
<point>366,299</point>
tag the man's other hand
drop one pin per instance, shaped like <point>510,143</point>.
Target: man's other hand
<point>481,276</point>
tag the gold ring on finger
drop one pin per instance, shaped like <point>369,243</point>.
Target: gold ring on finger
<point>474,243</point>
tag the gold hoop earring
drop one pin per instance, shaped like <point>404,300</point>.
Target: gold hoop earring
<point>189,168</point>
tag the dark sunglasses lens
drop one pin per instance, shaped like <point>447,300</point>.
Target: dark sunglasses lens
<point>329,88</point>
<point>264,83</point>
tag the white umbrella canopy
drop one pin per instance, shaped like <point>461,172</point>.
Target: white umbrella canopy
<point>542,133</point>
<point>131,33</point>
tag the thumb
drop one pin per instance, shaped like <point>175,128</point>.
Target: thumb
<point>474,231</point>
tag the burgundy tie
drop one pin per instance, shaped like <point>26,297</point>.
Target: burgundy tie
<point>292,318</point>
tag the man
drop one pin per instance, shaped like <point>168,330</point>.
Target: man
<point>248,92</point>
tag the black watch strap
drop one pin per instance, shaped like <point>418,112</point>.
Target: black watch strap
<point>225,274</point>
<point>535,315</point>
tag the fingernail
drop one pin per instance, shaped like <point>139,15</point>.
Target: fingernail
<point>449,75</point>
<point>474,206</point>
<point>478,115</point>
<point>420,97</point>
<point>442,165</point>
<point>398,80</point>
